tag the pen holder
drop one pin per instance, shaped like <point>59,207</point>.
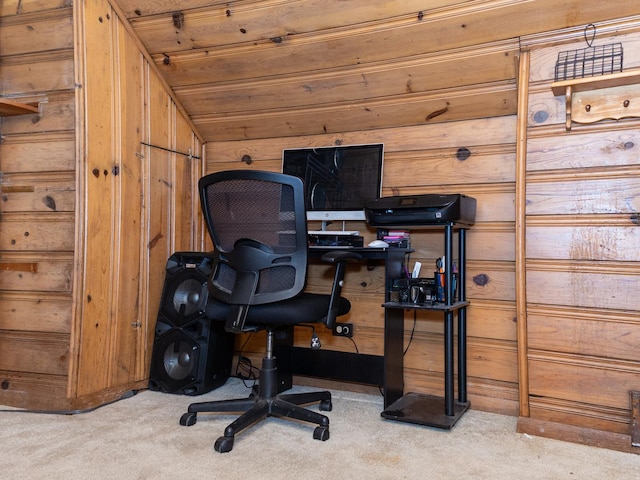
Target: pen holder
<point>440,287</point>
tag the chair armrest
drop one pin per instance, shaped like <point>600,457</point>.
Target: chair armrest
<point>339,258</point>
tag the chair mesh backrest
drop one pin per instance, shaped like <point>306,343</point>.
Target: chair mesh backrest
<point>257,222</point>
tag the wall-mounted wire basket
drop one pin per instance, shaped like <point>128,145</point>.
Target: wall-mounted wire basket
<point>590,61</point>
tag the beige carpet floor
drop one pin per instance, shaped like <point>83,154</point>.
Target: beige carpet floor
<point>140,438</point>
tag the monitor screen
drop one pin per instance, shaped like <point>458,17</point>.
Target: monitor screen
<point>337,179</point>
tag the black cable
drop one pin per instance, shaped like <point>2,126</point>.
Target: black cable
<point>188,155</point>
<point>354,344</point>
<point>244,369</point>
<point>413,330</point>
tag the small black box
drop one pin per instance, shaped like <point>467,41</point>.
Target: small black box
<point>336,240</point>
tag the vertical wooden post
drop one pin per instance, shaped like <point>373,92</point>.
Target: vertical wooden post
<point>520,202</point>
<point>635,418</point>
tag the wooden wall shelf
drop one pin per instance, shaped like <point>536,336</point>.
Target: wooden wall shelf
<point>10,108</point>
<point>589,100</point>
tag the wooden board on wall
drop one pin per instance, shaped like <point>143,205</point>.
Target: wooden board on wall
<point>37,193</point>
<point>594,333</point>
<point>588,193</point>
<point>50,272</point>
<point>41,353</point>
<point>36,32</point>
<point>32,152</point>
<point>420,73</point>
<point>36,74</point>
<point>129,227</point>
<point>37,391</point>
<point>583,380</point>
<point>24,232</point>
<point>35,312</point>
<point>100,247</point>
<point>56,115</point>
<point>497,99</point>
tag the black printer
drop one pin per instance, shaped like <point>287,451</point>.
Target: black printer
<point>429,209</point>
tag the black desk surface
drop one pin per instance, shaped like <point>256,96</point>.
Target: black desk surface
<point>366,252</point>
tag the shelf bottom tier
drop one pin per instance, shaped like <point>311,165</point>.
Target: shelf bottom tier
<point>424,409</point>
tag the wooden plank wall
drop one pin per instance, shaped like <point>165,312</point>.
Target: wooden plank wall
<point>89,214</point>
<point>37,227</point>
<point>583,193</point>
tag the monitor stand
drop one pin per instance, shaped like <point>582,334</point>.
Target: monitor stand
<point>342,232</point>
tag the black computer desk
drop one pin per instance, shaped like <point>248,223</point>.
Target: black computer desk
<point>385,371</point>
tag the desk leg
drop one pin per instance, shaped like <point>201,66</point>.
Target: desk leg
<point>393,388</point>
<point>462,318</point>
<point>449,404</point>
<point>462,355</point>
<point>393,355</point>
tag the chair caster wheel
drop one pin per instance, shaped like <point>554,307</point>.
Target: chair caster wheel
<point>188,419</point>
<point>321,433</point>
<point>326,405</point>
<point>223,444</point>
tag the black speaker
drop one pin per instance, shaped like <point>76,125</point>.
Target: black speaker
<point>191,354</point>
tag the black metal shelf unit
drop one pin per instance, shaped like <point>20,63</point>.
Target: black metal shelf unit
<point>431,410</point>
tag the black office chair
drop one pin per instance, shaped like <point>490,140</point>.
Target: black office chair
<point>257,221</point>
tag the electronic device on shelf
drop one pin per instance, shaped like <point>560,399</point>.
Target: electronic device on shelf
<point>338,180</point>
<point>415,210</point>
<point>337,241</point>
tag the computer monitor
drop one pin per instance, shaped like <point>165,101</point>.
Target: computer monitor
<point>338,179</point>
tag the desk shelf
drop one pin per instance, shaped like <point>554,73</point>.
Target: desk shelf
<point>443,307</point>
<point>10,108</point>
<point>422,409</point>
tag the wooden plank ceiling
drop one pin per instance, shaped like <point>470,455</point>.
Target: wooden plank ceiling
<point>272,68</point>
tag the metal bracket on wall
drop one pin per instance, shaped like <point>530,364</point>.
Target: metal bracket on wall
<point>188,154</point>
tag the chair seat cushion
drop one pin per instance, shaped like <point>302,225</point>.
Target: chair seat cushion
<point>304,308</point>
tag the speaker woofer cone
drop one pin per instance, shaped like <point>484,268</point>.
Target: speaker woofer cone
<point>185,297</point>
<point>179,360</point>
<point>190,297</point>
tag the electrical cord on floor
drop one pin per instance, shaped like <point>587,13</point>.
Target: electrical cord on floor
<point>245,371</point>
<point>125,395</point>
